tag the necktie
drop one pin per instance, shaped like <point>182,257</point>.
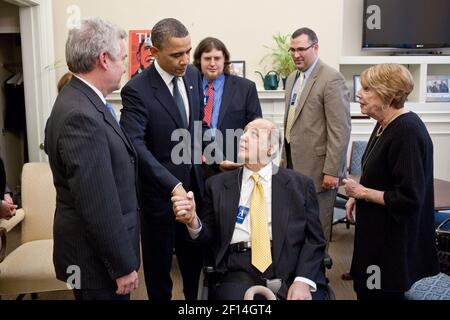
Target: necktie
<point>261,254</point>
<point>179,101</point>
<point>293,108</point>
<point>209,104</point>
<point>112,111</point>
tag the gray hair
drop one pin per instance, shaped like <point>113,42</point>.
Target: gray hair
<point>167,28</point>
<point>93,37</point>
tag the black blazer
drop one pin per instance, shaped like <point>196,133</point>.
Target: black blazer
<point>96,224</point>
<point>240,105</point>
<point>150,117</point>
<point>298,241</point>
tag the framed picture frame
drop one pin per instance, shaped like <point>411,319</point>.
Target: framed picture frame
<point>237,68</point>
<point>356,86</point>
<point>438,88</point>
<point>139,55</point>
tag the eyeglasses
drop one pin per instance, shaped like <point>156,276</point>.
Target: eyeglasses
<point>293,51</point>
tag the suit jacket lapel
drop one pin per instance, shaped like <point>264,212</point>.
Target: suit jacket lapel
<point>280,212</point>
<point>163,95</point>
<point>227,97</point>
<point>98,103</point>
<point>307,89</point>
<point>228,207</point>
<point>290,86</point>
<point>189,88</point>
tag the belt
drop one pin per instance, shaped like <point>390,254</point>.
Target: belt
<point>243,246</point>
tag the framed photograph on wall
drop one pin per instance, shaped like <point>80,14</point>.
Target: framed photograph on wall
<point>139,55</point>
<point>356,87</point>
<point>438,88</point>
<point>237,68</point>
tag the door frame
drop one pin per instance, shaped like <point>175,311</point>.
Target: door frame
<point>38,59</point>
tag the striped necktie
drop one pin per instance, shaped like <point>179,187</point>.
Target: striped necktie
<point>209,104</point>
<point>112,111</point>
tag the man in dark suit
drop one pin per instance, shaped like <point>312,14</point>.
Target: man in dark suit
<point>288,245</point>
<point>160,104</point>
<point>96,228</point>
<point>231,102</point>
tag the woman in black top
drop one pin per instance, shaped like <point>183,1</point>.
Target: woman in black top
<point>394,201</point>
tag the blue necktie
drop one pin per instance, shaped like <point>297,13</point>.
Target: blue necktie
<point>111,109</point>
<point>179,101</point>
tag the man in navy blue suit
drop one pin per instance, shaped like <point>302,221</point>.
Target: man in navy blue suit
<point>164,99</point>
<point>231,102</point>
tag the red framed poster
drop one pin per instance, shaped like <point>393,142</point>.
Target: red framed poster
<point>139,56</point>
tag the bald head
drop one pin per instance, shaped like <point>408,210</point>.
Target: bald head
<point>260,142</point>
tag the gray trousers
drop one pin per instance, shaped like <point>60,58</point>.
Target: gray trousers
<point>326,201</point>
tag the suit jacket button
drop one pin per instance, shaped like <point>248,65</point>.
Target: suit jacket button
<point>132,160</point>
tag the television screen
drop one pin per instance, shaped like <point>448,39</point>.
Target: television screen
<point>406,24</point>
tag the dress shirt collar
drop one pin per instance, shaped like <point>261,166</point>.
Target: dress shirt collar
<point>100,95</point>
<point>217,83</point>
<point>311,69</point>
<point>167,77</point>
<point>265,173</point>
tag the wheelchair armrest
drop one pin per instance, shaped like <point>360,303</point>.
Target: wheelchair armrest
<point>10,224</point>
<point>5,227</point>
<point>327,262</point>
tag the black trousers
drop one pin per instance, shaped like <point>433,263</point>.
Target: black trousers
<point>99,294</point>
<point>158,244</point>
<point>364,294</point>
<point>227,289</point>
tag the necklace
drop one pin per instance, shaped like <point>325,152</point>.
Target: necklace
<point>374,142</point>
<point>381,128</point>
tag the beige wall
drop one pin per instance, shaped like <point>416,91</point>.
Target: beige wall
<point>244,26</point>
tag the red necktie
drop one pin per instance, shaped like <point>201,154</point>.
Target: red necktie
<point>209,104</point>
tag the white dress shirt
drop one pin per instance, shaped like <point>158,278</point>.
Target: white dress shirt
<point>100,95</point>
<point>242,231</point>
<point>167,78</point>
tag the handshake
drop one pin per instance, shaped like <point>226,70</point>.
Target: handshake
<point>183,204</point>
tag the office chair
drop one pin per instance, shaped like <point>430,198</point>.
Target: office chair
<point>437,287</point>
<point>354,167</point>
<point>29,268</point>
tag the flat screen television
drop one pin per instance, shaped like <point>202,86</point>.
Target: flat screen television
<point>404,25</point>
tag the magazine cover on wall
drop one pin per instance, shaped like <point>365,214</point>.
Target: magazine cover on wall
<point>140,57</point>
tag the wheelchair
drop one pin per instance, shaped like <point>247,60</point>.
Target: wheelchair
<point>209,278</point>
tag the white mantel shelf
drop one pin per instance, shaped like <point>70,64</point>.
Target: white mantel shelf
<point>365,60</point>
<point>262,94</point>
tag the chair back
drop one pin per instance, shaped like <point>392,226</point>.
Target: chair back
<point>38,202</point>
<point>357,151</point>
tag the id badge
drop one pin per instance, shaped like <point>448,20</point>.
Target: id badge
<point>294,97</point>
<point>242,214</point>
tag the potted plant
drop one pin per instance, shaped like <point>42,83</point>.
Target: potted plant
<point>281,59</point>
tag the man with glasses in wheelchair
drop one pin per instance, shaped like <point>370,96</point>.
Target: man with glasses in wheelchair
<point>260,222</point>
